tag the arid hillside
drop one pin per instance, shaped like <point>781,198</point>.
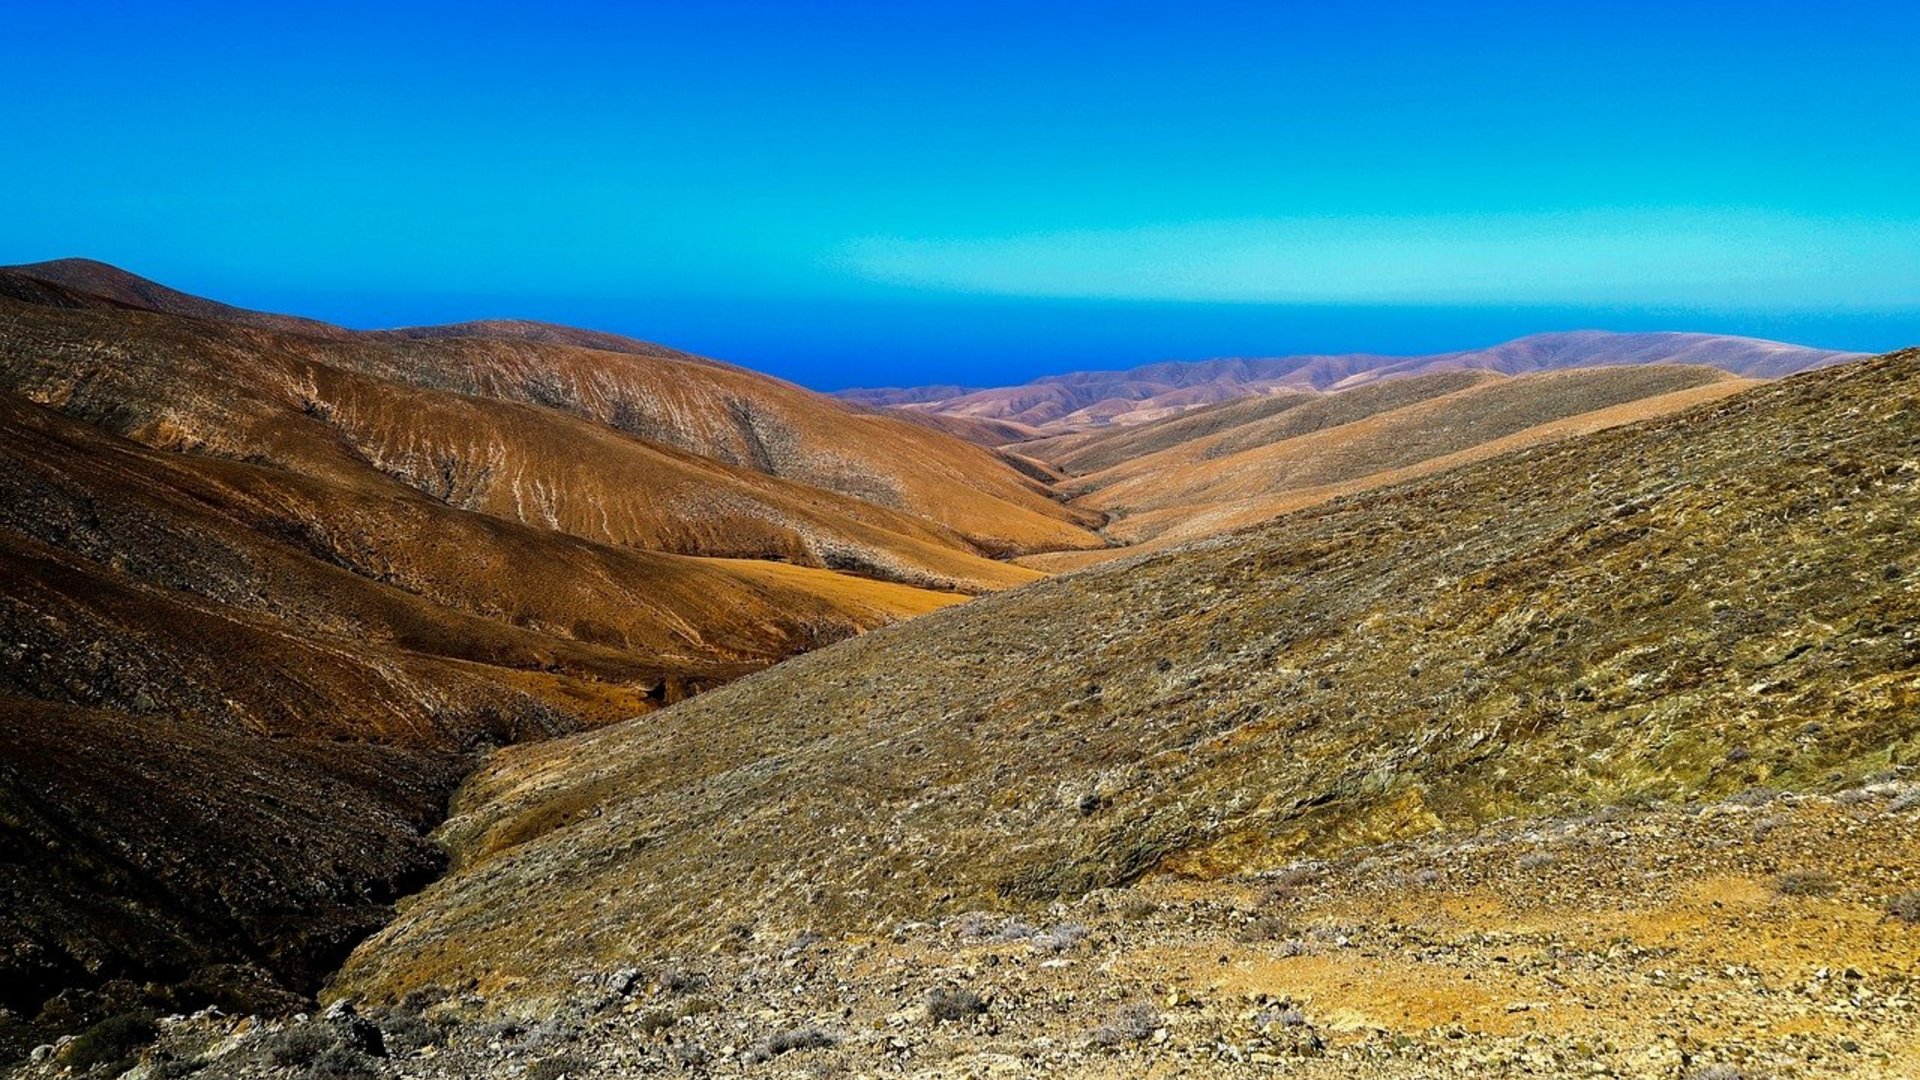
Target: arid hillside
<point>1676,609</point>
<point>668,399</point>
<point>1248,461</point>
<point>1079,401</point>
<point>88,283</point>
<point>280,583</point>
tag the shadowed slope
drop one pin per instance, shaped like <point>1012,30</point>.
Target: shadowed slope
<point>263,593</point>
<point>288,672</point>
<point>1563,626</point>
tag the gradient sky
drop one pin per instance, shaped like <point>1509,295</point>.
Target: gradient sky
<point>888,193</point>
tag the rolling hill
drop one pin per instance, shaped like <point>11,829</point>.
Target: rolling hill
<point>284,580</point>
<point>1078,401</point>
<point>1671,609</point>
<point>276,589</point>
<point>1214,474</point>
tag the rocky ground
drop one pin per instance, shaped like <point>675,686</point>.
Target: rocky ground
<point>1765,935</point>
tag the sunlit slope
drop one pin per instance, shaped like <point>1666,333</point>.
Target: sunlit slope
<point>713,410</point>
<point>1221,430</point>
<point>1204,485</point>
<point>219,390</point>
<point>1566,625</point>
<point>1090,400</point>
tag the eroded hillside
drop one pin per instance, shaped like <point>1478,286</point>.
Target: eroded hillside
<point>271,584</point>
<point>1680,608</point>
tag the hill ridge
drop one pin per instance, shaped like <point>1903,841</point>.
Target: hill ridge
<point>1229,705</point>
<point>1093,399</point>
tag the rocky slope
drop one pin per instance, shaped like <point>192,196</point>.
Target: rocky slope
<point>1675,609</point>
<point>1082,400</point>
<point>268,588</point>
<point>1756,936</point>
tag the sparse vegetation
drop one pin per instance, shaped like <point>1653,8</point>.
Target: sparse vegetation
<point>340,1062</point>
<point>655,1021</point>
<point>949,1004</point>
<point>802,1038</point>
<point>570,1066</point>
<point>172,1068</point>
<point>405,1032</point>
<point>111,1042</point>
<point>1060,938</point>
<point>1724,1072</point>
<point>300,1044</point>
<point>1804,883</point>
<point>1264,928</point>
<point>1131,1023</point>
<point>680,980</point>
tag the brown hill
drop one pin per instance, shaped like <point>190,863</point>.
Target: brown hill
<point>1380,433</point>
<point>981,432</point>
<point>174,622</point>
<point>120,288</point>
<point>709,409</point>
<point>270,579</point>
<point>1237,425</point>
<point>1094,399</point>
<point>550,333</point>
<point>889,396</point>
<point>1677,608</point>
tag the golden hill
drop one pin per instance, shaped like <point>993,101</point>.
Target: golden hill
<point>1677,608</point>
<point>1256,470</point>
<point>1090,400</point>
<point>670,399</point>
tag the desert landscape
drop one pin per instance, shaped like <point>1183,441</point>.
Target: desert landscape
<point>1456,719</point>
<point>945,541</point>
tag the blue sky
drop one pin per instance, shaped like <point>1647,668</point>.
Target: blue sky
<point>891,193</point>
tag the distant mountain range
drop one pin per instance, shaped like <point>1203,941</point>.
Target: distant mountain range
<point>1087,399</point>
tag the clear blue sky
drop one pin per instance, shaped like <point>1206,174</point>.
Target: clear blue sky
<point>911,192</point>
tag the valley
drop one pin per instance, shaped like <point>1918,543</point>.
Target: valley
<point>575,703</point>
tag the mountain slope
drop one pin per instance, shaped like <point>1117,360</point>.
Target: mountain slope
<point>120,288</point>
<point>1094,399</point>
<point>1207,485</point>
<point>713,410</point>
<point>1679,607</point>
<point>1219,430</point>
<point>284,584</point>
<point>291,671</point>
<point>238,393</point>
<point>1747,357</point>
